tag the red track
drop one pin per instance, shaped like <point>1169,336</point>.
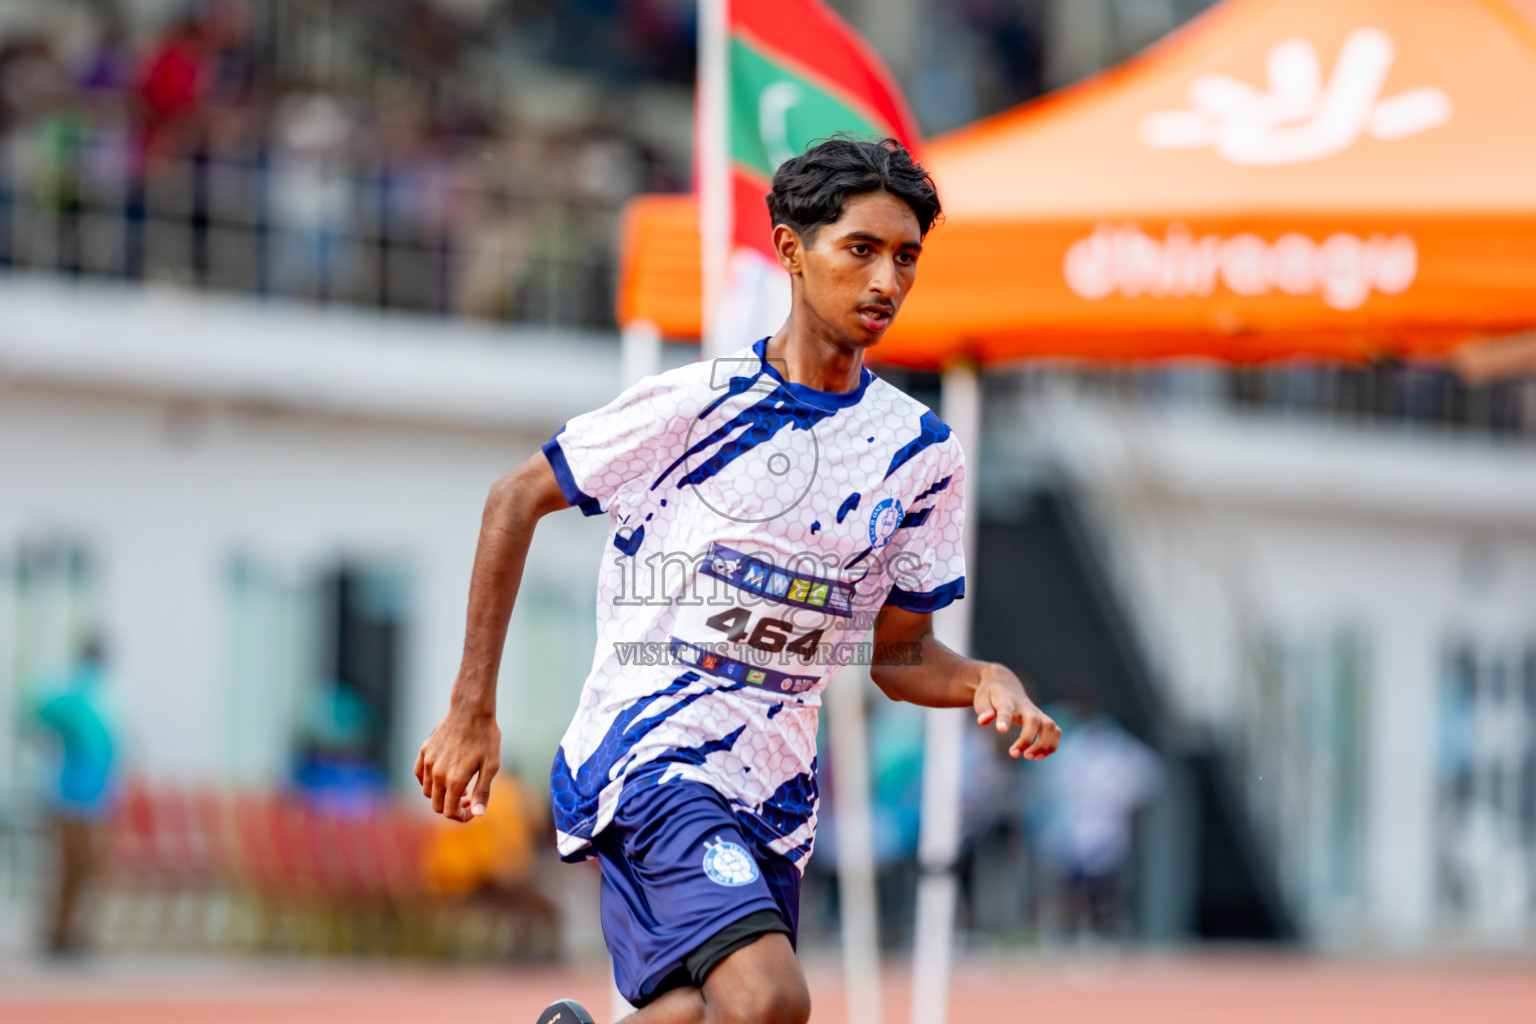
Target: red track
<point>1200,990</point>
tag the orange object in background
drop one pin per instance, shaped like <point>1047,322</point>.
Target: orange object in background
<point>1337,178</point>
<point>660,279</point>
<point>496,849</point>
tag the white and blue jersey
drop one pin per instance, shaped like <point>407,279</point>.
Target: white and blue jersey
<point>757,527</point>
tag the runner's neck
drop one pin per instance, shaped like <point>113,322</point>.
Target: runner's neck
<point>812,362</point>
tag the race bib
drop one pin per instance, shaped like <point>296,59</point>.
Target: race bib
<point>766,625</point>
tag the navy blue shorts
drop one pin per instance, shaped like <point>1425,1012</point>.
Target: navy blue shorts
<point>678,871</point>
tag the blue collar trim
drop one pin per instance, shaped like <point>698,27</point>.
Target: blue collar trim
<point>808,394</point>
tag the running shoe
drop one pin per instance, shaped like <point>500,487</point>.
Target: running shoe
<point>565,1011</point>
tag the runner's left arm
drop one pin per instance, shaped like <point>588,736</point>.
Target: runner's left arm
<point>912,665</point>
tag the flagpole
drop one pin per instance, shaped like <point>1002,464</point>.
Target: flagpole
<point>714,166</point>
<point>715,188</point>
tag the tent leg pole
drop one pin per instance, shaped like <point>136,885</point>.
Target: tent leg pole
<point>936,889</point>
<point>639,356</point>
<point>939,842</point>
<point>855,845</point>
<point>639,351</point>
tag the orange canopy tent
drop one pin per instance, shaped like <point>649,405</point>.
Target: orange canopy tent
<point>1338,178</point>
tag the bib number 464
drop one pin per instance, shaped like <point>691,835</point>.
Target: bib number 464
<point>769,634</point>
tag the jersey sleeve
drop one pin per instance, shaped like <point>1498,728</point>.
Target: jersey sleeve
<point>596,455</point>
<point>929,570</point>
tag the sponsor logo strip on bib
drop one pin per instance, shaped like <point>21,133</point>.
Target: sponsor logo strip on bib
<point>757,575</point>
<point>739,671</point>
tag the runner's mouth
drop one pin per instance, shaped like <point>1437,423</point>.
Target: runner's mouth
<point>875,318</point>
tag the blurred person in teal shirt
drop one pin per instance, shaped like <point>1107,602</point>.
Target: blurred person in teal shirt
<point>74,709</point>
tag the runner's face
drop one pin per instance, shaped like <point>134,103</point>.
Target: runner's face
<point>861,266</point>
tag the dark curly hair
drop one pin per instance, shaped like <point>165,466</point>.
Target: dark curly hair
<point>811,189</point>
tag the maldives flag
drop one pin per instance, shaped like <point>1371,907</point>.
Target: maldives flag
<point>775,77</point>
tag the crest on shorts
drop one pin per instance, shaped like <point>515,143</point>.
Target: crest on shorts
<point>728,864</point>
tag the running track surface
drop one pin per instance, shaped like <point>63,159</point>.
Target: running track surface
<point>1198,990</point>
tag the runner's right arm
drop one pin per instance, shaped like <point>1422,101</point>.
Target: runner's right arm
<point>466,746</point>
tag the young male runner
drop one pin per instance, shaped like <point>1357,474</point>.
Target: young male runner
<point>771,511</point>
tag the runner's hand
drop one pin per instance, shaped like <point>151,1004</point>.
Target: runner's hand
<point>1001,699</point>
<point>464,748</point>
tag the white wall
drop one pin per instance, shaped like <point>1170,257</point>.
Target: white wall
<point>1221,529</point>
<point>156,459</point>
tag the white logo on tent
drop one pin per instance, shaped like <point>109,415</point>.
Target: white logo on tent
<point>1299,119</point>
<point>1344,268</point>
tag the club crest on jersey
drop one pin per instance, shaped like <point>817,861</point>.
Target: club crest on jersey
<point>728,864</point>
<point>883,520</point>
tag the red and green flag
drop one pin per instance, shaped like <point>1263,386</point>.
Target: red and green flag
<point>783,75</point>
<point>797,74</point>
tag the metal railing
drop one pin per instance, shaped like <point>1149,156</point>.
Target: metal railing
<point>1390,394</point>
<point>433,232</point>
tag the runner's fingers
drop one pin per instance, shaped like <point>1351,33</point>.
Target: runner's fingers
<point>1046,743</point>
<point>1007,713</point>
<point>457,785</point>
<point>439,792</point>
<point>421,761</point>
<point>1027,736</point>
<point>482,795</point>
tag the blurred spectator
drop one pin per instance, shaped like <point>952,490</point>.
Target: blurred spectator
<point>492,853</point>
<point>1087,796</point>
<point>343,154</point>
<point>497,252</point>
<point>334,774</point>
<point>172,84</point>
<point>335,151</point>
<point>312,200</point>
<point>491,862</point>
<point>73,709</point>
<point>896,749</point>
<point>109,69</point>
<point>225,30</point>
<point>32,79</point>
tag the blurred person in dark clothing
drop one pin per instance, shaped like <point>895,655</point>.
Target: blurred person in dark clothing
<point>225,28</point>
<point>73,708</point>
<point>109,67</point>
<point>32,79</point>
